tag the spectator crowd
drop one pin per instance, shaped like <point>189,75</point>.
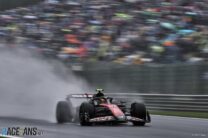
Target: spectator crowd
<point>121,31</point>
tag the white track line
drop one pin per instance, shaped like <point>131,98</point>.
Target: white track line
<point>193,118</point>
<point>7,136</point>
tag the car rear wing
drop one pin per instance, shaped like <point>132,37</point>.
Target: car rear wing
<point>80,95</point>
<point>114,95</point>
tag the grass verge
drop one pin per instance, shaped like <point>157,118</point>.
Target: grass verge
<point>181,114</point>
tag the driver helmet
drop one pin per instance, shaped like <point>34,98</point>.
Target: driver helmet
<point>99,93</point>
<point>99,90</point>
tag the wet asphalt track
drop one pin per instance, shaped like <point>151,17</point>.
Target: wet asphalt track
<point>161,127</point>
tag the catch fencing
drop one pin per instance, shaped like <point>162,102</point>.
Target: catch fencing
<point>184,78</point>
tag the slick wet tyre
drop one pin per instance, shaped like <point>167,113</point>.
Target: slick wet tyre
<point>138,110</point>
<point>86,112</point>
<point>63,112</point>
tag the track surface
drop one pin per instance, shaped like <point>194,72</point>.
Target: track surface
<point>161,127</point>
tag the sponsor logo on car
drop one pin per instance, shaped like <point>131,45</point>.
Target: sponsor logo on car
<point>99,119</point>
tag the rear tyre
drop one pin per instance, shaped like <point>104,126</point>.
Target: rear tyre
<point>86,112</point>
<point>63,112</point>
<point>138,110</point>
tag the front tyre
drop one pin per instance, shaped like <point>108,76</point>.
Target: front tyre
<point>86,112</point>
<point>138,110</point>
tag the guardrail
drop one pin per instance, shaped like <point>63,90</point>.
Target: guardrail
<point>194,103</point>
<point>172,102</point>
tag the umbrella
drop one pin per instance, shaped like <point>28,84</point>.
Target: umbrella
<point>66,30</point>
<point>73,3</point>
<point>7,17</point>
<point>185,32</point>
<point>96,22</point>
<point>123,16</point>
<point>132,1</point>
<point>29,17</point>
<point>167,25</point>
<point>11,27</point>
<point>191,13</point>
<point>61,15</point>
<point>98,7</point>
<point>51,1</point>
<point>152,21</point>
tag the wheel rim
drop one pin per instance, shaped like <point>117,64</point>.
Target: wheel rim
<point>84,116</point>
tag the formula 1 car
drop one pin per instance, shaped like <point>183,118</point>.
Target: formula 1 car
<point>106,110</point>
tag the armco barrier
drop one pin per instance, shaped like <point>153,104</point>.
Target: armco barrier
<point>173,102</point>
<point>197,103</point>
